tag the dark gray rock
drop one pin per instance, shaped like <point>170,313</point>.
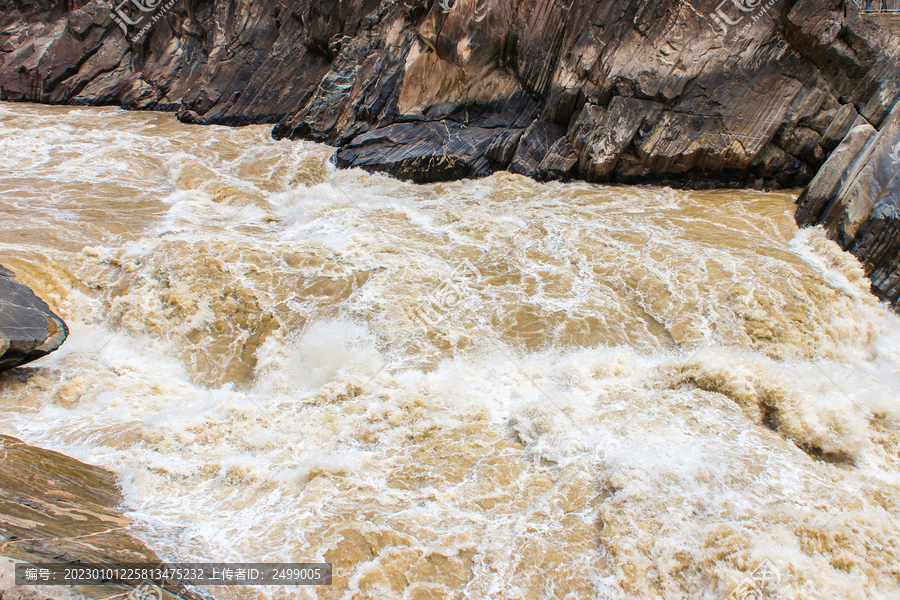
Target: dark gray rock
<point>558,161</point>
<point>535,146</point>
<point>422,151</point>
<point>856,197</point>
<point>28,328</point>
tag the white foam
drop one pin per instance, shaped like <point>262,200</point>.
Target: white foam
<point>637,390</point>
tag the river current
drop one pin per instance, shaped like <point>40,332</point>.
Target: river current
<point>481,389</point>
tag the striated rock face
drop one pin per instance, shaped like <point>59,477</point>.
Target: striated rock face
<point>683,92</point>
<point>28,328</point>
<point>54,508</point>
<point>604,90</point>
<point>856,197</point>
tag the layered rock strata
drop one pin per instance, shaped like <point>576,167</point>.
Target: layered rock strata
<point>55,509</point>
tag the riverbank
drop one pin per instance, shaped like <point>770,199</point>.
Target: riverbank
<point>53,509</point>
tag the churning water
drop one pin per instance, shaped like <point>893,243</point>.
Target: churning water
<point>481,389</point>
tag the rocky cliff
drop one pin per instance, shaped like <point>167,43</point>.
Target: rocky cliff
<point>682,92</point>
<point>28,328</point>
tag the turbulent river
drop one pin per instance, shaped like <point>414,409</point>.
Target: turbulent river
<point>480,389</point>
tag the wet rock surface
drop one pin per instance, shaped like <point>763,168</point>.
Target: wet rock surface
<point>54,508</point>
<point>28,328</point>
<point>856,197</point>
<point>681,93</point>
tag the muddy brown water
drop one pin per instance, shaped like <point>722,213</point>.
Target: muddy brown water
<point>480,389</point>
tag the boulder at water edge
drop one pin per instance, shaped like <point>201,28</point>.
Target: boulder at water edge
<point>856,198</point>
<point>28,328</point>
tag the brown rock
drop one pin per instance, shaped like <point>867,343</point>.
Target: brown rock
<point>54,509</point>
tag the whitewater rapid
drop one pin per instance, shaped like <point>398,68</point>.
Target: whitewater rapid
<point>481,389</point>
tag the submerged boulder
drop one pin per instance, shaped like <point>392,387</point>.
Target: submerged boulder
<point>28,328</point>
